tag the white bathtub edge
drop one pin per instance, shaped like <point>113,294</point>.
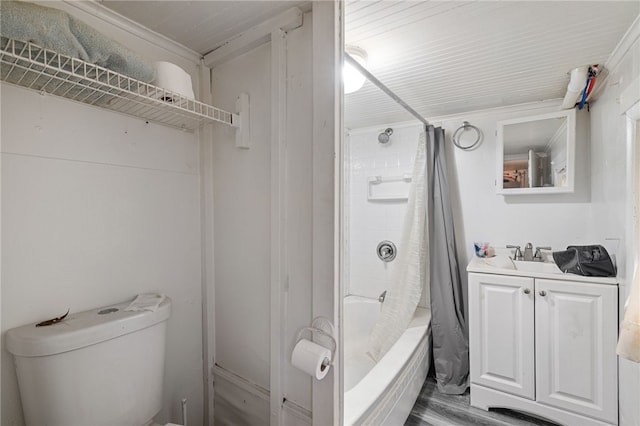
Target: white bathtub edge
<point>401,411</point>
<point>372,405</point>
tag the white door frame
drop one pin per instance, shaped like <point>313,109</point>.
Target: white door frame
<point>629,372</point>
<point>631,98</point>
<point>327,144</point>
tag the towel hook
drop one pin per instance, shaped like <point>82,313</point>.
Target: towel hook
<point>466,126</point>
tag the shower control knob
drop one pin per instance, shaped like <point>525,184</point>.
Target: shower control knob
<point>386,251</point>
<point>527,291</point>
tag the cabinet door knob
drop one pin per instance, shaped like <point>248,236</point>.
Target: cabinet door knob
<point>543,293</point>
<point>527,291</point>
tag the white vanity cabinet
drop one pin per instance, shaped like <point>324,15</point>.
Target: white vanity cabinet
<point>502,334</point>
<point>545,344</point>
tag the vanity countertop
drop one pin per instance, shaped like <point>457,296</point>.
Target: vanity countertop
<point>502,265</point>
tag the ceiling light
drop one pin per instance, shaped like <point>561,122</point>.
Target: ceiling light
<point>351,77</point>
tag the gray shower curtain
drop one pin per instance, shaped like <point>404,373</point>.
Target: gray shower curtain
<point>448,326</point>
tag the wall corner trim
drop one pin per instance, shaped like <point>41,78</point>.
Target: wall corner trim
<point>240,382</point>
<point>297,412</point>
<point>290,409</point>
<point>254,37</point>
<point>630,96</point>
<point>623,46</point>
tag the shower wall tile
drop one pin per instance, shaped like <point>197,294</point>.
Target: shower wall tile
<point>370,222</point>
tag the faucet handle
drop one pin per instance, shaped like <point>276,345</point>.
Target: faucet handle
<point>518,254</point>
<point>538,255</point>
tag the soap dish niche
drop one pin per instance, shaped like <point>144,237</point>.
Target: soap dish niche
<point>388,188</point>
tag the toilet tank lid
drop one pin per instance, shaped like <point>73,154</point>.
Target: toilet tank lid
<point>82,329</point>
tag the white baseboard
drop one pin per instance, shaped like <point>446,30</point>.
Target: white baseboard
<point>239,401</point>
<point>486,398</point>
<point>295,415</point>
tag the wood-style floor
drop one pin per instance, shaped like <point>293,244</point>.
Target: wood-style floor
<point>435,409</point>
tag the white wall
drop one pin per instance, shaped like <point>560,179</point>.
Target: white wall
<point>298,166</point>
<point>1,357</point>
<point>97,207</point>
<point>611,197</point>
<point>243,224</point>
<point>480,214</point>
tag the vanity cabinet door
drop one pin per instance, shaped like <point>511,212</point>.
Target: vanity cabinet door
<point>501,333</point>
<point>576,333</point>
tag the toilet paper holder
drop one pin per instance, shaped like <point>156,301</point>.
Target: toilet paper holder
<point>315,327</point>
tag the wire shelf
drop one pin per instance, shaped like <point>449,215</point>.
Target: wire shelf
<point>31,66</point>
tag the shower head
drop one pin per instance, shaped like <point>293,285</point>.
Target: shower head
<point>384,137</point>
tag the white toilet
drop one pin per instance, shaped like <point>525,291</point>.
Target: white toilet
<point>102,367</point>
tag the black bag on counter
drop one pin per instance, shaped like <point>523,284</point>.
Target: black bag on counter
<point>590,261</point>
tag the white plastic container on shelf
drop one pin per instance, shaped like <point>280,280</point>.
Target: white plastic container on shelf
<point>171,77</point>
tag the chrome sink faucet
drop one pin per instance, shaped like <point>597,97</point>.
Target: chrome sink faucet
<point>528,252</point>
<point>528,255</point>
<point>538,255</point>
<point>517,255</point>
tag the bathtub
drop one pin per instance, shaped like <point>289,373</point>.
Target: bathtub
<point>382,393</point>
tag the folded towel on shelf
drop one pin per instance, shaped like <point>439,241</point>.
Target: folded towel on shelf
<point>58,31</point>
<point>146,302</point>
<point>105,52</point>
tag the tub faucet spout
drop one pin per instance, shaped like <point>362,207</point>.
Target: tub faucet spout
<point>382,296</point>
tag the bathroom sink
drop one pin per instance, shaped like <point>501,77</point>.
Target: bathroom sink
<point>505,265</point>
<point>537,267</point>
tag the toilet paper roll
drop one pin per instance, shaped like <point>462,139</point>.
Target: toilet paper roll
<point>171,77</point>
<point>308,357</point>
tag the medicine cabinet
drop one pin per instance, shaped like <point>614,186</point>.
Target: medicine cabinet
<point>536,154</point>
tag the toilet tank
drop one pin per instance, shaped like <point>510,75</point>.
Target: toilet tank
<point>100,367</point>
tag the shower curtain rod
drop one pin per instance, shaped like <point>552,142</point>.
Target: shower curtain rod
<point>384,88</point>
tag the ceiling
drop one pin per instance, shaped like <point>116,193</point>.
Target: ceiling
<point>201,25</point>
<point>441,57</point>
<point>452,57</point>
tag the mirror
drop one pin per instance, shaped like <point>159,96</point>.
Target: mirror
<point>536,154</point>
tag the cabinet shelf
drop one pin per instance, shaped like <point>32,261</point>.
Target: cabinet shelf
<point>31,66</point>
